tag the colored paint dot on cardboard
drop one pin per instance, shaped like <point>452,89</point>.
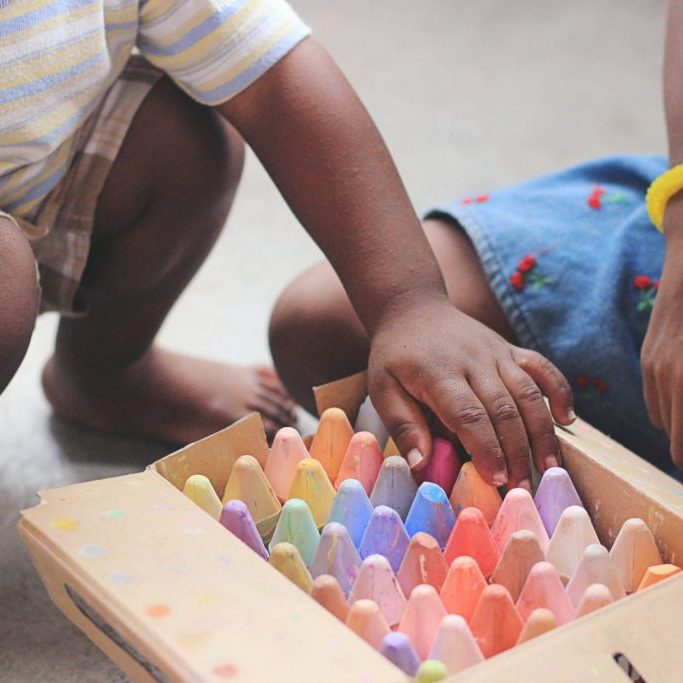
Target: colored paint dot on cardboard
<point>208,599</point>
<point>115,514</point>
<point>157,611</point>
<point>225,559</point>
<point>193,531</point>
<point>225,671</point>
<point>120,578</point>
<point>64,524</point>
<point>92,550</point>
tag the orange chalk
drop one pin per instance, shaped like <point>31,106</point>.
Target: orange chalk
<point>362,461</point>
<point>312,485</point>
<point>366,620</point>
<point>573,534</point>
<point>471,536</point>
<point>595,567</point>
<point>544,588</point>
<point>327,592</point>
<point>540,621</point>
<point>521,553</point>
<point>463,586</point>
<point>421,618</point>
<point>391,448</point>
<point>518,512</point>
<point>422,563</point>
<point>470,490</point>
<point>376,582</point>
<point>331,441</point>
<point>248,483</point>
<point>658,573</point>
<point>495,624</point>
<point>594,597</point>
<point>633,551</point>
<point>287,451</point>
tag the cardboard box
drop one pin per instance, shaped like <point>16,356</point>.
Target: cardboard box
<point>169,595</point>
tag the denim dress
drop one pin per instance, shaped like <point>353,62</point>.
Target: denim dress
<point>575,262</point>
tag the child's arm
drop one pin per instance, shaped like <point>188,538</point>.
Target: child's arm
<point>327,158</point>
<point>661,355</point>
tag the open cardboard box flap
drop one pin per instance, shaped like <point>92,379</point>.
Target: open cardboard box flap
<point>165,592</point>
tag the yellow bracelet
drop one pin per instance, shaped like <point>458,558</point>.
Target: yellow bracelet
<point>660,192</point>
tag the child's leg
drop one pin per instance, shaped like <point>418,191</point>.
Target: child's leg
<point>315,336</point>
<point>163,206</point>
<point>18,298</point>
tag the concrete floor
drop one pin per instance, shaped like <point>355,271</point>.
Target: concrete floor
<point>469,96</point>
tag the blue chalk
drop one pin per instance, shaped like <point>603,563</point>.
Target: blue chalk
<point>352,508</point>
<point>431,512</point>
<point>385,535</point>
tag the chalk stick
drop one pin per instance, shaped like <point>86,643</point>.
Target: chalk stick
<point>395,486</point>
<point>362,461</point>
<point>573,534</point>
<point>463,587</point>
<point>421,618</point>
<point>443,466</point>
<point>423,563</point>
<point>544,588</point>
<point>555,493</point>
<point>287,451</point>
<point>286,559</point>
<point>385,535</point>
<point>633,551</point>
<point>471,536</point>
<point>312,485</point>
<point>368,420</point>
<point>495,624</point>
<point>200,491</point>
<point>366,620</point>
<point>470,490</point>
<point>520,554</point>
<point>248,483</point>
<point>336,555</point>
<point>327,592</point>
<point>398,649</point>
<point>352,508</point>
<point>376,581</point>
<point>236,518</point>
<point>518,512</point>
<point>331,441</point>
<point>431,512</point>
<point>595,567</point>
<point>454,645</point>
<point>297,526</point>
<point>540,621</point>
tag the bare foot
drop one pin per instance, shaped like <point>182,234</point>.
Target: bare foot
<point>168,396</point>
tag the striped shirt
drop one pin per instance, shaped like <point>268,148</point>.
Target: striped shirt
<point>59,57</point>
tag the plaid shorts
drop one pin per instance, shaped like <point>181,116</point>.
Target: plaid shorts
<point>61,231</point>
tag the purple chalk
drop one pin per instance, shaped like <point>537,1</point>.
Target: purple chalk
<point>235,517</point>
<point>336,555</point>
<point>555,493</point>
<point>398,649</point>
<point>385,535</point>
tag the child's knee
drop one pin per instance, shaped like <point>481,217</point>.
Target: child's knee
<point>19,300</point>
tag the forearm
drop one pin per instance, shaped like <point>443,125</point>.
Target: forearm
<point>325,155</point>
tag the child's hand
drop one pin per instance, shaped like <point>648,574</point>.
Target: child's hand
<point>485,390</point>
<point>661,358</point>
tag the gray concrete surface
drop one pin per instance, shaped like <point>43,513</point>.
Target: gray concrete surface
<point>469,95</point>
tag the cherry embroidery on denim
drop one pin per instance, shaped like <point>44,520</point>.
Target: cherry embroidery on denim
<point>600,196</point>
<point>479,199</point>
<point>527,274</point>
<point>647,291</point>
<point>592,389</point>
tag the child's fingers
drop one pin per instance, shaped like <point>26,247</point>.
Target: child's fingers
<point>505,415</point>
<point>404,421</point>
<point>551,382</point>
<point>458,407</point>
<point>677,427</point>
<point>538,421</point>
